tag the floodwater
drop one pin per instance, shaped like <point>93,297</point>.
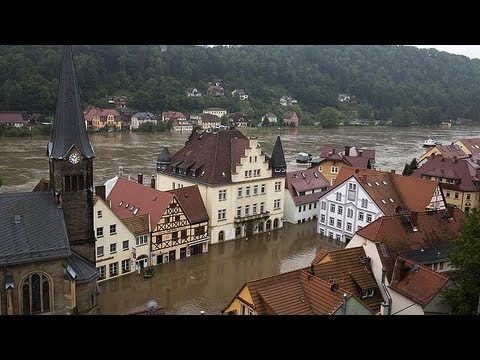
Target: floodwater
<point>207,282</point>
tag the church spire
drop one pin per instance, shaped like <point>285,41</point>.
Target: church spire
<point>277,161</point>
<point>69,123</point>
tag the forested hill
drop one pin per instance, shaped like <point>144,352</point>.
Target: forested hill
<point>398,83</point>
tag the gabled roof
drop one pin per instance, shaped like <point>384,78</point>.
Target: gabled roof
<point>69,124</point>
<point>305,180</point>
<point>278,158</point>
<point>456,169</point>
<point>416,282</point>
<point>350,269</point>
<point>138,225</point>
<point>40,233</point>
<point>213,154</point>
<point>295,293</point>
<point>12,117</point>
<point>329,150</point>
<point>192,204</point>
<point>106,112</point>
<point>423,237</point>
<point>472,144</point>
<point>406,192</point>
<point>451,151</point>
<point>145,199</point>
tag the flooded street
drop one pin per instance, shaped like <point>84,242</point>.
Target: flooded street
<point>207,282</point>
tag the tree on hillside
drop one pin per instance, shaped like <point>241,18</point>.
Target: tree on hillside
<point>410,168</point>
<point>329,117</point>
<point>465,257</point>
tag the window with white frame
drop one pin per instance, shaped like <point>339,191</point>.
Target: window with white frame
<point>262,189</point>
<point>369,218</point>
<point>262,207</point>
<point>222,214</point>
<point>360,216</point>
<point>246,173</point>
<point>99,251</point>
<point>278,185</point>
<point>340,210</point>
<point>141,240</point>
<point>324,205</point>
<point>276,204</point>
<point>113,229</point>
<point>350,213</point>
<point>99,213</point>
<point>247,210</point>
<point>338,237</point>
<point>334,170</point>
<point>101,271</point>
<point>239,192</point>
<point>349,227</point>
<point>247,191</point>
<point>125,245</point>
<point>364,203</point>
<point>351,191</point>
<point>339,196</point>
<point>254,208</point>
<point>322,232</point>
<point>352,186</point>
<point>255,190</point>
<point>322,219</point>
<point>113,267</point>
<point>331,221</point>
<point>332,207</point>
<point>339,223</point>
<point>222,195</point>
<point>113,248</point>
<point>239,211</point>
<point>99,232</point>
<point>125,266</point>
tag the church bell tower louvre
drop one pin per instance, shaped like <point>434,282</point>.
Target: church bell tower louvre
<point>71,161</point>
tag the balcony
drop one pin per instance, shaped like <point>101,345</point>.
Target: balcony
<point>258,216</point>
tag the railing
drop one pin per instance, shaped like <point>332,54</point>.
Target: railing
<point>239,219</point>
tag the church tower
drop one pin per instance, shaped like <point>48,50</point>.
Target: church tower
<point>71,162</point>
<point>277,161</point>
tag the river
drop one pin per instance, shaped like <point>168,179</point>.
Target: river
<point>207,282</point>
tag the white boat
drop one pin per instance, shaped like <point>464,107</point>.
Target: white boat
<point>303,158</point>
<point>431,143</point>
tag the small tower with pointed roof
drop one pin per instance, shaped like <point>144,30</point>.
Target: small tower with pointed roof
<point>71,161</point>
<point>163,159</point>
<point>277,161</point>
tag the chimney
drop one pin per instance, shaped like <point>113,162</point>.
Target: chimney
<point>454,160</point>
<point>360,152</point>
<point>140,178</point>
<point>347,150</point>
<point>392,171</point>
<point>152,182</point>
<point>333,150</point>
<point>364,178</point>
<point>100,191</point>
<point>345,303</point>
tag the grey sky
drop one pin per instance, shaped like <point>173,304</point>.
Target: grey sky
<point>472,51</point>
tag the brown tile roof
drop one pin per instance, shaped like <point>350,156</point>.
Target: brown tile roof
<point>431,239</point>
<point>305,180</point>
<point>211,155</point>
<point>456,169</point>
<point>192,204</point>
<point>106,112</point>
<point>91,113</point>
<point>329,150</point>
<point>42,185</point>
<point>472,144</point>
<point>138,225</point>
<point>12,117</point>
<point>295,293</point>
<point>145,199</point>
<point>209,118</point>
<point>350,269</point>
<point>416,282</point>
<point>451,151</point>
<point>358,161</point>
<point>407,192</point>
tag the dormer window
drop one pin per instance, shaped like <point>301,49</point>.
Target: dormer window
<point>367,293</point>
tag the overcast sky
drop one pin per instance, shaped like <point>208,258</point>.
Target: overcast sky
<point>472,51</point>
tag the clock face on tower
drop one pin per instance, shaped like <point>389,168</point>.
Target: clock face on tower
<point>74,158</point>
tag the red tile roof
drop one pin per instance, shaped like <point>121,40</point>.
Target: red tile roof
<point>12,117</point>
<point>456,169</point>
<point>407,192</point>
<point>295,293</point>
<point>305,180</point>
<point>192,204</point>
<point>350,269</point>
<point>138,225</point>
<point>146,199</point>
<point>451,151</point>
<point>91,113</point>
<point>329,150</point>
<point>472,144</point>
<point>106,112</point>
<point>211,155</point>
<point>433,233</point>
<point>416,282</point>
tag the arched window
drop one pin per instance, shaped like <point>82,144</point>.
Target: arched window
<point>36,294</point>
<point>268,224</point>
<point>275,223</point>
<point>221,236</point>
